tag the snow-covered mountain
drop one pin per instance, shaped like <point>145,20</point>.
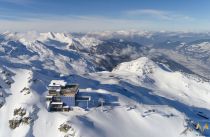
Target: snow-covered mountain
<point>147,87</point>
<point>177,84</point>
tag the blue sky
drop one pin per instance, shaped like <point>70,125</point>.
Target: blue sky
<point>99,15</point>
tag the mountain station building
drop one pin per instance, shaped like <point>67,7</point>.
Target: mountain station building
<point>61,96</point>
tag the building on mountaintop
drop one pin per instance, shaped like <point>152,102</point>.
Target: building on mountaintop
<point>62,96</point>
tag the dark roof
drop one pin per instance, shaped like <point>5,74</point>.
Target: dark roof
<point>69,90</point>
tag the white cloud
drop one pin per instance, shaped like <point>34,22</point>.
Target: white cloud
<point>72,23</point>
<point>165,15</point>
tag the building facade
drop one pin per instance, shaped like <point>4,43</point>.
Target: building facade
<point>61,96</point>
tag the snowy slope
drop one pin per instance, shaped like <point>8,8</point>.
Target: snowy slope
<point>174,85</point>
<point>122,109</point>
<point>142,97</point>
<point>147,104</point>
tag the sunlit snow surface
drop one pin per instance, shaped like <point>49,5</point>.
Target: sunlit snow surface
<point>142,98</point>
